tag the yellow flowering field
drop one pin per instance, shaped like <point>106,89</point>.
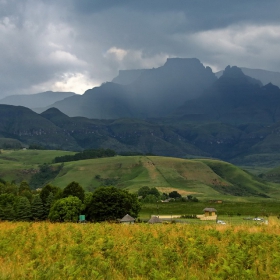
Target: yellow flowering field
<point>140,251</point>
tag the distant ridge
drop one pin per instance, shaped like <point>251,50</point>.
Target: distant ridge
<point>264,76</point>
<point>242,144</point>
<point>31,101</point>
<point>234,98</point>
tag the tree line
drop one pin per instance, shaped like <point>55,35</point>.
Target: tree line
<point>20,203</point>
<point>86,154</point>
<point>152,195</point>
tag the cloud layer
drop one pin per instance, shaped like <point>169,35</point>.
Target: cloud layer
<point>71,45</point>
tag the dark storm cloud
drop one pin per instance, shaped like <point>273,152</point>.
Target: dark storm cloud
<point>203,14</point>
<point>75,45</point>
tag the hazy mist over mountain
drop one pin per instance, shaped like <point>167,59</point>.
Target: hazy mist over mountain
<point>182,87</point>
<point>264,76</point>
<point>151,93</point>
<point>38,100</point>
<point>234,98</point>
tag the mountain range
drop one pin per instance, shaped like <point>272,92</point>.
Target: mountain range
<point>161,92</point>
<point>151,92</point>
<point>247,144</point>
<point>34,101</point>
<point>264,76</point>
<point>235,98</point>
<point>179,109</point>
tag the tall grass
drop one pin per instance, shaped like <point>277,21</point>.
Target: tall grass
<point>139,251</point>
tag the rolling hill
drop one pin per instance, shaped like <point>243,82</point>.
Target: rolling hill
<point>205,179</point>
<point>26,126</point>
<point>244,145</point>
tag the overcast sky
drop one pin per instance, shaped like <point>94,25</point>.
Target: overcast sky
<point>74,45</point>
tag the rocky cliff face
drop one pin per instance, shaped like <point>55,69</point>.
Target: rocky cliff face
<point>143,93</point>
<point>234,98</point>
<point>127,77</point>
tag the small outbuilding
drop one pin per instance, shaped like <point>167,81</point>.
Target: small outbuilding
<point>155,220</point>
<point>209,214</point>
<point>127,219</point>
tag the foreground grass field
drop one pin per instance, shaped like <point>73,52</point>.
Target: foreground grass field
<point>139,251</point>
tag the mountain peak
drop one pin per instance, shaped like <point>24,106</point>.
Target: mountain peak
<point>126,77</point>
<point>53,112</point>
<point>183,63</point>
<point>271,88</point>
<point>233,72</point>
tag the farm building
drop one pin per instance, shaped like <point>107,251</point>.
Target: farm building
<point>155,220</point>
<point>209,214</point>
<point>127,219</point>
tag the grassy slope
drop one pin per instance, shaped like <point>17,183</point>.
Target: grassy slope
<point>19,165</point>
<point>136,171</point>
<point>194,177</point>
<point>272,175</point>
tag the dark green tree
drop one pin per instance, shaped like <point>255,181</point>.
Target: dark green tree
<point>88,198</point>
<point>23,187</point>
<point>144,191</point>
<point>87,202</point>
<point>174,194</point>
<point>164,196</point>
<point>66,209</point>
<point>7,198</point>
<point>2,188</point>
<point>150,198</point>
<point>37,208</point>
<point>46,190</point>
<point>74,189</point>
<point>11,188</point>
<point>27,194</point>
<point>154,191</point>
<point>192,198</point>
<point>47,206</point>
<point>23,209</point>
<point>110,203</point>
<point>24,190</point>
<point>7,211</point>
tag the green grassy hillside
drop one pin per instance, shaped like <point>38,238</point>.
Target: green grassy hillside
<point>203,178</point>
<point>272,175</point>
<point>20,165</point>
